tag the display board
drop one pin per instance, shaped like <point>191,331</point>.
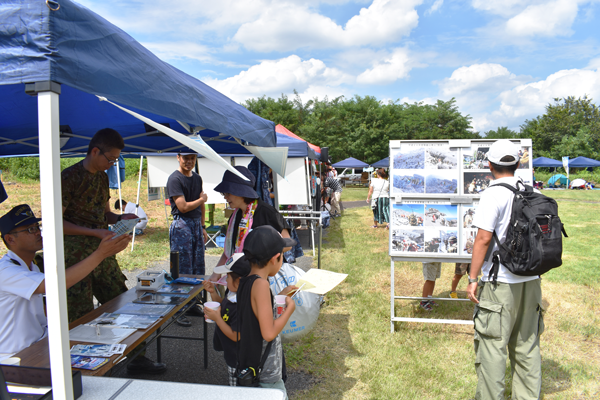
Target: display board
<point>434,194</point>
<point>295,188</point>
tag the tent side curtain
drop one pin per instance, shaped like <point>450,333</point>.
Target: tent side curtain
<point>350,163</point>
<point>76,47</point>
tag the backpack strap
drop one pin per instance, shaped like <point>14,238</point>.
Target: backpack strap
<point>493,275</point>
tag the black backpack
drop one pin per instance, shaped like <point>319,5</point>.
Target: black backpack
<point>533,244</point>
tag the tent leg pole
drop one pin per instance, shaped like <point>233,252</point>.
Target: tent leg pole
<point>54,260</point>
<point>137,201</point>
<point>164,199</point>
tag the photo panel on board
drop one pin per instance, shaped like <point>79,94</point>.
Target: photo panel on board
<point>406,240</point>
<point>477,182</point>
<point>444,182</point>
<point>406,215</point>
<point>441,215</point>
<point>440,156</point>
<point>468,215</point>
<point>476,157</point>
<point>409,156</point>
<point>524,157</point>
<point>468,240</point>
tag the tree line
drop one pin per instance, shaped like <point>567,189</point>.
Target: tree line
<point>361,127</point>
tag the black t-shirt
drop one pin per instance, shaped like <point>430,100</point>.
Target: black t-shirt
<point>264,214</point>
<point>189,187</point>
<point>220,341</point>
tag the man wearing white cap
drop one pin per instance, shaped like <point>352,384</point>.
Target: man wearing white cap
<point>508,314</point>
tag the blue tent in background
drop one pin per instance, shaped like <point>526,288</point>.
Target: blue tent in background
<point>350,163</point>
<point>558,179</point>
<point>583,162</point>
<point>385,163</point>
<point>546,162</point>
<point>89,56</point>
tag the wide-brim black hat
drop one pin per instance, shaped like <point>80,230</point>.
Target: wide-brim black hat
<point>237,186</point>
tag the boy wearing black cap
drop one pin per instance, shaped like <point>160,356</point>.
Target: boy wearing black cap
<point>22,318</point>
<point>264,250</point>
<point>226,316</point>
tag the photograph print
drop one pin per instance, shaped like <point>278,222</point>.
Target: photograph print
<point>406,215</point>
<point>476,158</point>
<point>448,241</point>
<point>477,182</point>
<point>408,158</point>
<point>524,157</point>
<point>468,216</point>
<point>441,182</point>
<point>407,240</point>
<point>404,182</point>
<point>468,240</point>
<point>441,215</point>
<point>440,158</point>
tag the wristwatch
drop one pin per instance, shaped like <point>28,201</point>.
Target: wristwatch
<point>471,280</point>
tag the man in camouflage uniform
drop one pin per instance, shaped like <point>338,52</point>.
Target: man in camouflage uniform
<point>86,215</point>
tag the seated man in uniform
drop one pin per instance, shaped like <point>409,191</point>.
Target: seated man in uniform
<point>22,318</point>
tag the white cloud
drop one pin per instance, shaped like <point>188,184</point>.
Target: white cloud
<point>390,68</point>
<point>436,6</point>
<point>478,78</point>
<point>286,27</point>
<point>550,19</point>
<point>274,77</point>
<point>503,8</point>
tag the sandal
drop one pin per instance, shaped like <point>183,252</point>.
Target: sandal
<point>374,226</point>
<point>387,226</point>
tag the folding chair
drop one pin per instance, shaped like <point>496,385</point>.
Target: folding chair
<point>213,232</point>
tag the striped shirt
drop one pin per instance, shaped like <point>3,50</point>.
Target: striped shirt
<point>334,184</point>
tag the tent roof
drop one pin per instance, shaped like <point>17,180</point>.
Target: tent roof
<point>546,162</point>
<point>89,56</point>
<point>383,163</point>
<point>350,163</point>
<point>283,130</point>
<point>583,162</point>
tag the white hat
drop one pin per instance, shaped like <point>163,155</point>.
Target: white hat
<point>236,263</point>
<point>502,148</point>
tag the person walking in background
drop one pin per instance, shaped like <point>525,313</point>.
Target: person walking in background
<point>379,192</point>
<point>336,193</point>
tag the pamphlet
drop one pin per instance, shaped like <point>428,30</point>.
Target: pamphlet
<point>155,298</point>
<point>113,320</point>
<point>174,289</point>
<point>85,362</point>
<point>188,281</point>
<point>98,350</point>
<point>124,226</point>
<point>99,334</point>
<point>156,310</point>
<point>320,281</point>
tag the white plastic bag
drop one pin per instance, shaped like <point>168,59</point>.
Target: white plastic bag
<point>308,305</point>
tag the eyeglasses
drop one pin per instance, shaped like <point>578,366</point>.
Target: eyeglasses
<point>32,229</point>
<point>111,162</point>
<point>225,194</point>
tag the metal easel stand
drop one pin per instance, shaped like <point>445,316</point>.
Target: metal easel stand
<point>315,219</point>
<point>393,299</point>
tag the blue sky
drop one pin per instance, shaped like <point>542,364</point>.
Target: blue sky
<point>503,60</point>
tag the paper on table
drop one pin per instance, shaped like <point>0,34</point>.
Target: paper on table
<point>320,281</point>
<point>86,333</point>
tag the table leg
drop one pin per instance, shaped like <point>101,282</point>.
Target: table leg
<point>158,346</point>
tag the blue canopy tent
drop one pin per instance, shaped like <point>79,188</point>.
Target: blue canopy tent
<point>545,162</point>
<point>385,163</point>
<point>54,59</point>
<point>583,162</point>
<point>350,163</point>
<point>558,180</point>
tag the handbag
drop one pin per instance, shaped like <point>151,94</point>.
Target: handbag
<point>249,377</point>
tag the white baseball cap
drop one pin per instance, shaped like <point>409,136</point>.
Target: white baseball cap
<point>502,148</point>
<point>236,263</point>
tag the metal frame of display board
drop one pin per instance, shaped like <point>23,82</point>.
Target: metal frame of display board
<point>434,193</point>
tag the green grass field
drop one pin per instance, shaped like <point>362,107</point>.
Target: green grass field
<point>351,353</point>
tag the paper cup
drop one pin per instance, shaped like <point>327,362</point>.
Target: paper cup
<point>213,305</point>
<point>280,304</point>
<point>11,361</point>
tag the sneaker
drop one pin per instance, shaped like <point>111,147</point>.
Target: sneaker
<point>144,365</point>
<point>433,303</point>
<point>454,295</point>
<point>425,305</point>
<point>183,321</point>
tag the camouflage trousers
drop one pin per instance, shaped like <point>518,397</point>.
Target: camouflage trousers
<point>105,282</point>
<point>185,236</point>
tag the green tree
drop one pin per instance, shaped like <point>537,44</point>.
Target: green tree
<point>501,133</point>
<point>564,120</point>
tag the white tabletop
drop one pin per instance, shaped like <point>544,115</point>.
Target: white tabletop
<point>102,388</point>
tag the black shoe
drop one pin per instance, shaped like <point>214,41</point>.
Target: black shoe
<point>144,365</point>
<point>183,321</point>
<point>195,311</point>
